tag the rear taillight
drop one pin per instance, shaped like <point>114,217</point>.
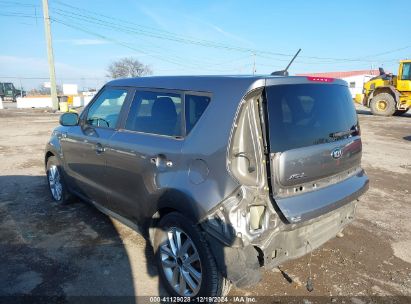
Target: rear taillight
<point>320,79</point>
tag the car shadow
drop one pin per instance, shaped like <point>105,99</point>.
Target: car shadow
<point>65,253</point>
<point>73,253</point>
<point>364,112</point>
<point>368,112</point>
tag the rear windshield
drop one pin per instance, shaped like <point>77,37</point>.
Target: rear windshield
<point>309,114</point>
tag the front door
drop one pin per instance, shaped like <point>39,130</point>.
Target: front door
<point>143,156</point>
<point>84,146</point>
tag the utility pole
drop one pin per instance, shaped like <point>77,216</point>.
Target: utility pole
<point>50,56</point>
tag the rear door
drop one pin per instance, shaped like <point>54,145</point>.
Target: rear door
<point>144,154</point>
<point>313,138</point>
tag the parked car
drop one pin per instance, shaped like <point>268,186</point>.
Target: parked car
<point>225,175</point>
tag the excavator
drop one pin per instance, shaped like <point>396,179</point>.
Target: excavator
<point>388,94</point>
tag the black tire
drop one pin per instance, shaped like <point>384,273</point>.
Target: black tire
<point>383,104</point>
<point>53,164</point>
<point>213,284</point>
<point>400,112</point>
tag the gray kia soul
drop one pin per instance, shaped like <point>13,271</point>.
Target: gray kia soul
<point>224,175</point>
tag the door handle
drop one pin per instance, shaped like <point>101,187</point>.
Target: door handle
<point>99,148</point>
<point>161,161</point>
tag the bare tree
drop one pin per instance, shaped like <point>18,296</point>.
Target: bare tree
<point>41,90</point>
<point>128,67</point>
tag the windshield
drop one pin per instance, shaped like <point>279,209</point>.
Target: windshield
<point>406,71</point>
<point>309,114</point>
<point>8,86</point>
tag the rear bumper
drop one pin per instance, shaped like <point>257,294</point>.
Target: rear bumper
<point>242,265</point>
<point>321,213</point>
<point>300,239</point>
<point>312,204</point>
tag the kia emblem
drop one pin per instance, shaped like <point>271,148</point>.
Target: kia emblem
<point>337,153</point>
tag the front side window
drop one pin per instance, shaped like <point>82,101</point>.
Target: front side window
<point>156,113</point>
<point>406,71</point>
<point>195,106</point>
<point>104,112</point>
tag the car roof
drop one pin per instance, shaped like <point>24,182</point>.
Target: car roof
<point>210,83</point>
<point>194,83</point>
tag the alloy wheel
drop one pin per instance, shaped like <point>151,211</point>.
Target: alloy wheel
<point>55,184</point>
<point>181,262</point>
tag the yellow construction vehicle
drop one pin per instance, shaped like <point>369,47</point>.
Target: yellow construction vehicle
<point>388,94</point>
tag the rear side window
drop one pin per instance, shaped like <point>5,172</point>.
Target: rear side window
<point>156,113</point>
<point>195,106</point>
<point>308,114</point>
<point>104,112</point>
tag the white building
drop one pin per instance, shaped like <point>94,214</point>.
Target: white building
<point>355,79</point>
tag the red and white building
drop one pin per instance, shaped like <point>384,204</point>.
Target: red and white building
<point>355,79</point>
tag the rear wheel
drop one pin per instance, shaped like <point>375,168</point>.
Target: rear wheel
<point>383,104</point>
<point>57,186</point>
<point>186,266</point>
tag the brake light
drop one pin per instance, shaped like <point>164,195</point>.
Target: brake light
<point>320,79</point>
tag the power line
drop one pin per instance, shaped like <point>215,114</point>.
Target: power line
<point>128,29</point>
<point>17,15</point>
<point>391,51</point>
<point>114,40</point>
<point>146,30</point>
<point>203,65</point>
<point>159,34</point>
<point>9,3</point>
<point>176,59</point>
<point>159,57</point>
<point>150,30</point>
<point>166,35</point>
<point>118,27</point>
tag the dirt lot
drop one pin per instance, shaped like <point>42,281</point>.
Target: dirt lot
<point>74,250</point>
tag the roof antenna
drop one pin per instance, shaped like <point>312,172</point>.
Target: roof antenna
<point>285,71</point>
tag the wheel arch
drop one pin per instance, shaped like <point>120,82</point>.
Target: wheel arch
<point>51,151</point>
<point>173,200</point>
<point>47,156</point>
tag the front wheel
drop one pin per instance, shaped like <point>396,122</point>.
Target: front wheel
<point>186,266</point>
<point>57,186</point>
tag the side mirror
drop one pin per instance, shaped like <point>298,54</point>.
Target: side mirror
<point>69,119</point>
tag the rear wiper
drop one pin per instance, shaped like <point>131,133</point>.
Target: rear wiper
<point>342,133</point>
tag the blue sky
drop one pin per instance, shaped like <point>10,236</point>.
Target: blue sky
<point>213,37</point>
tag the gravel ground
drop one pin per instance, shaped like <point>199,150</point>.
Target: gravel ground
<point>74,250</point>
